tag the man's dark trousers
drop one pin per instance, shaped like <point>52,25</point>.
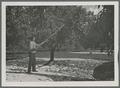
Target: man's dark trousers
<point>32,62</point>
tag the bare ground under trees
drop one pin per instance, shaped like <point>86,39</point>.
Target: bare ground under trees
<point>62,69</point>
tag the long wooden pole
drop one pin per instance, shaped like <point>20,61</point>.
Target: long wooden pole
<point>50,36</point>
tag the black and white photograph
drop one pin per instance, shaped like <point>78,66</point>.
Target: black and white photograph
<point>60,43</point>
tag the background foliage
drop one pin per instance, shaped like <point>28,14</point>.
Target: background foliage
<point>82,29</point>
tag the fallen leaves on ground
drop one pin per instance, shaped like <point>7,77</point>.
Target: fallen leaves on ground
<point>69,69</point>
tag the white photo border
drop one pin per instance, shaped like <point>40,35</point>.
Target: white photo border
<point>59,83</point>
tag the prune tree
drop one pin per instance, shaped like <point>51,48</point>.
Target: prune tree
<point>101,34</point>
<point>73,19</point>
<point>107,22</point>
<point>22,22</point>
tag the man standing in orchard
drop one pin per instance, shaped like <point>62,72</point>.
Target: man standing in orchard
<point>32,52</point>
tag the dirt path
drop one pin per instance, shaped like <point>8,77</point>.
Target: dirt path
<point>23,77</point>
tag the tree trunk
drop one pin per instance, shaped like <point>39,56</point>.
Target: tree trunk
<point>52,50</point>
<point>52,54</point>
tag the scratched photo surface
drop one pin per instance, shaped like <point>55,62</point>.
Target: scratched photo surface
<point>59,44</point>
